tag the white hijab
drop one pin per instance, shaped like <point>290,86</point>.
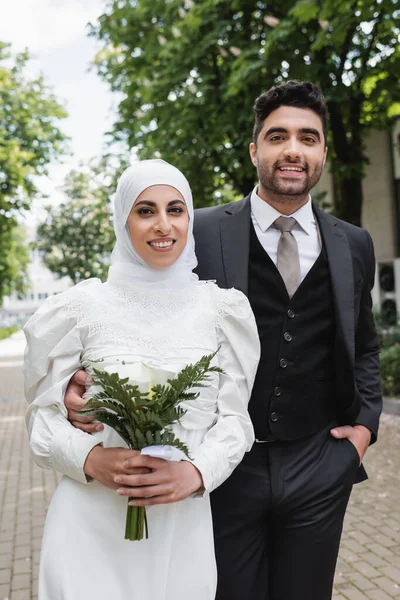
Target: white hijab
<point>127,267</point>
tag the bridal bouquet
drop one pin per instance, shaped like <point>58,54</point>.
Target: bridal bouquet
<point>143,418</point>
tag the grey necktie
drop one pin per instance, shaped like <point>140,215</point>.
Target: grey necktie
<point>288,254</point>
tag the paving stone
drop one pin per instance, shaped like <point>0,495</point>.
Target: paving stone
<point>392,572</point>
<point>360,537</point>
<point>5,576</point>
<point>351,592</point>
<point>380,550</point>
<point>4,591</point>
<point>378,595</point>
<point>373,559</point>
<point>7,536</point>
<point>346,554</point>
<point>21,594</point>
<point>385,541</point>
<point>5,561</point>
<point>365,569</point>
<point>22,551</point>
<point>22,565</point>
<point>392,533</point>
<point>388,585</point>
<point>361,582</point>
<point>21,582</point>
<point>353,546</point>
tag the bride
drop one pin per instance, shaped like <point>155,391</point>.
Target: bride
<point>152,313</point>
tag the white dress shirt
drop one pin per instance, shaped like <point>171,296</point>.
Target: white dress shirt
<point>305,231</point>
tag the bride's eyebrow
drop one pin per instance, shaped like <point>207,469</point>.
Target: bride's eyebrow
<point>154,204</point>
<point>146,203</point>
<point>176,202</point>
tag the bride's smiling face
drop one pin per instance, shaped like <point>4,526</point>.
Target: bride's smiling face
<point>158,225</point>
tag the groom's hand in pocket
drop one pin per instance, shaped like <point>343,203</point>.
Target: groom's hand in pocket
<point>105,464</point>
<point>168,481</point>
<point>358,435</point>
<point>74,403</point>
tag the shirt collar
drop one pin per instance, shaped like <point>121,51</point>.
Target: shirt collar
<point>265,214</point>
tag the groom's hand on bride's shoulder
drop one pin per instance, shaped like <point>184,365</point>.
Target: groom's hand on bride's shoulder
<point>74,403</point>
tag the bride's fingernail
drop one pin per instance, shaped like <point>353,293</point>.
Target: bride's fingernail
<point>99,428</point>
<point>117,479</point>
<point>120,491</point>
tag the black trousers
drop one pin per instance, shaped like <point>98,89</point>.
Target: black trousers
<point>279,517</point>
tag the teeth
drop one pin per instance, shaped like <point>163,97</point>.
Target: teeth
<point>161,244</point>
<point>291,169</point>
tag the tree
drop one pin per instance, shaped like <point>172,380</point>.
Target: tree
<point>14,266</point>
<point>190,71</point>
<point>29,141</point>
<point>352,49</point>
<point>77,237</point>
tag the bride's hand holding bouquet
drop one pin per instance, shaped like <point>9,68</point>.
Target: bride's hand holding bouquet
<point>143,420</point>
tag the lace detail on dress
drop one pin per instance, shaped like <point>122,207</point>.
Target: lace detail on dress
<point>146,322</point>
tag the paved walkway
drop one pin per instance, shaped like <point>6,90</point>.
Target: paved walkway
<point>369,561</point>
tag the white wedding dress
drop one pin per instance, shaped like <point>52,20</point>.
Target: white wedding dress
<point>84,554</point>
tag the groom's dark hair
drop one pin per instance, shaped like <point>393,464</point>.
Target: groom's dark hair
<point>299,94</point>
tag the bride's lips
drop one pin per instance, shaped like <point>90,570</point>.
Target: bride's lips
<point>162,245</point>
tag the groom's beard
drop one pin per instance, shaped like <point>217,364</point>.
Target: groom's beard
<point>272,182</point>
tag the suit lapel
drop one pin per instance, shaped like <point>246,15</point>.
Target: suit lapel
<point>235,243</point>
<point>342,278</point>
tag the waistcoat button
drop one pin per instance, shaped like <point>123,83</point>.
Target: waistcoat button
<point>287,336</point>
<point>277,391</point>
<point>291,314</point>
<point>283,363</point>
<point>274,417</point>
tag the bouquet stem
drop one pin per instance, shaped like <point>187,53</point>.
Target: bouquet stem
<point>136,523</point>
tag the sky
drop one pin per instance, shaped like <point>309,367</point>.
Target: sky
<point>55,33</point>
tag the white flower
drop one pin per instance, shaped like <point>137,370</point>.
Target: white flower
<point>139,374</point>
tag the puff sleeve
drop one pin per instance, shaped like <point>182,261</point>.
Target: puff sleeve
<point>232,435</point>
<point>52,356</point>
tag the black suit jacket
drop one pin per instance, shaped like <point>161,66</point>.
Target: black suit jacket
<point>222,235</point>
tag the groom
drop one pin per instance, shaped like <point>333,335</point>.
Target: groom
<point>316,400</point>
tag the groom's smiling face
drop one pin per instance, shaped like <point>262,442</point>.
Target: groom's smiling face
<point>290,153</point>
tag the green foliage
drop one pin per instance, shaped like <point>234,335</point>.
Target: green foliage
<point>142,419</point>
<point>77,236</point>
<point>189,73</point>
<point>5,332</point>
<point>14,260</point>
<point>173,64</point>
<point>390,370</point>
<point>29,140</point>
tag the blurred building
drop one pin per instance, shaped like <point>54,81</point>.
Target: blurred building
<point>43,283</point>
<point>381,213</point>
